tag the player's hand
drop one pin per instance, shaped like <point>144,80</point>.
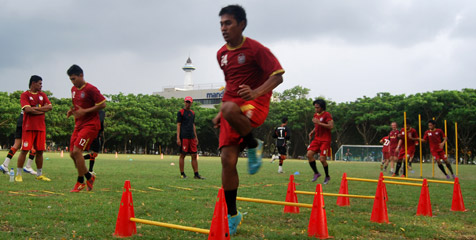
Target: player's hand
<point>216,120</point>
<point>442,145</point>
<point>69,113</point>
<point>310,136</point>
<point>179,142</point>
<point>78,112</point>
<point>247,93</point>
<point>316,120</point>
<point>196,140</point>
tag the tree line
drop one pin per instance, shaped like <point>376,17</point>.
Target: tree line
<point>147,123</point>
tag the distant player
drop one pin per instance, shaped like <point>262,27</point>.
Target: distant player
<point>34,104</point>
<point>323,124</point>
<point>393,137</point>
<point>251,73</point>
<point>412,137</point>
<point>187,138</point>
<point>385,153</point>
<point>282,134</point>
<point>437,139</point>
<point>87,102</point>
<point>96,144</point>
<point>15,147</point>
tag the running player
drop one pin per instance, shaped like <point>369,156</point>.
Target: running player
<point>323,124</point>
<point>87,102</point>
<point>34,104</point>
<point>437,139</point>
<point>251,73</point>
<point>282,134</point>
<point>412,137</point>
<point>385,152</point>
<point>393,137</point>
<point>96,144</point>
<point>187,137</point>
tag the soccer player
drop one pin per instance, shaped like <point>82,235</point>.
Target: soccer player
<point>87,102</point>
<point>437,139</point>
<point>393,137</point>
<point>321,133</point>
<point>96,144</point>
<point>14,149</point>
<point>187,137</point>
<point>412,137</point>
<point>282,134</point>
<point>34,104</point>
<point>385,152</point>
<point>251,73</point>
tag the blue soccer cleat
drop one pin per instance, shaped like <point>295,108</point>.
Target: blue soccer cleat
<point>234,222</point>
<point>254,157</point>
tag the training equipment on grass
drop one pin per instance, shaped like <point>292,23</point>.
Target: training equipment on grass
<point>291,196</point>
<point>457,203</point>
<point>318,221</point>
<point>379,210</point>
<point>424,204</point>
<point>265,201</point>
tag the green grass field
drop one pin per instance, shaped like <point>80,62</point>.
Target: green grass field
<point>47,210</point>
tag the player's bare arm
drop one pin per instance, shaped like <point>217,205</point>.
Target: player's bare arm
<point>32,110</point>
<point>178,134</point>
<point>328,125</point>
<point>271,83</point>
<point>312,133</point>
<point>80,112</point>
<point>216,120</point>
<point>195,132</point>
<point>45,108</point>
<point>442,144</point>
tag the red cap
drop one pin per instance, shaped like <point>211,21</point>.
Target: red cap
<point>189,99</point>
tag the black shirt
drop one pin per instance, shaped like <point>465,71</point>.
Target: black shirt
<point>187,119</point>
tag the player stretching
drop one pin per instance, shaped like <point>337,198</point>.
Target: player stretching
<point>96,144</point>
<point>87,102</point>
<point>251,73</point>
<point>385,153</point>
<point>412,137</point>
<point>282,134</point>
<point>393,137</point>
<point>323,124</point>
<point>34,104</point>
<point>187,137</point>
<point>437,139</point>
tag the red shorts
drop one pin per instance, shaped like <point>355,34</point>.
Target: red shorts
<point>33,139</point>
<point>189,146</point>
<point>319,146</point>
<point>438,154</point>
<point>393,153</point>
<point>255,111</point>
<point>82,138</point>
<point>410,153</point>
<point>386,155</point>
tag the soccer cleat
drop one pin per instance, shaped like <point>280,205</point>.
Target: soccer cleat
<point>198,177</point>
<point>78,187</point>
<point>3,169</point>
<point>234,222</point>
<point>93,173</point>
<point>18,178</point>
<point>394,175</point>
<point>454,176</point>
<point>403,175</point>
<point>381,167</point>
<point>254,157</point>
<point>29,170</point>
<point>326,180</point>
<point>316,176</point>
<point>43,178</point>
<point>447,176</point>
<point>90,182</point>
<point>280,169</point>
<point>385,169</point>
<point>183,176</point>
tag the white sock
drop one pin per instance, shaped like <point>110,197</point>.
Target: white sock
<point>6,162</point>
<point>19,170</point>
<point>280,169</point>
<point>38,172</point>
<point>28,163</point>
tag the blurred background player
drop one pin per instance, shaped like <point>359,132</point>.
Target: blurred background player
<point>282,134</point>
<point>96,144</point>
<point>393,137</point>
<point>187,137</point>
<point>323,124</point>
<point>437,139</point>
<point>412,137</point>
<point>385,153</point>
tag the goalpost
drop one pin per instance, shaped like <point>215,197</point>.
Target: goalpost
<point>362,153</point>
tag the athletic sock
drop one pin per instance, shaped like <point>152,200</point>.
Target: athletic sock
<point>39,171</point>
<point>448,165</point>
<point>182,173</point>
<point>19,170</point>
<point>397,169</point>
<point>87,156</point>
<point>91,165</point>
<point>93,156</point>
<point>442,168</point>
<point>326,170</point>
<point>6,162</point>
<point>196,174</point>
<point>81,179</point>
<point>11,152</point>
<point>230,198</point>
<point>32,155</point>
<point>88,175</point>
<point>28,163</point>
<point>404,168</point>
<point>250,140</point>
<point>313,166</point>
<point>280,162</point>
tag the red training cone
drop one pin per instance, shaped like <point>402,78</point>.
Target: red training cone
<point>424,204</point>
<point>379,211</point>
<point>384,188</point>
<point>343,201</point>
<point>219,228</point>
<point>291,196</point>
<point>318,222</point>
<point>124,226</point>
<point>458,203</point>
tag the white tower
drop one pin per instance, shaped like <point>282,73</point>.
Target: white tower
<point>188,68</point>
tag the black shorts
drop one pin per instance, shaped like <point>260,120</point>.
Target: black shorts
<point>282,150</point>
<point>18,131</point>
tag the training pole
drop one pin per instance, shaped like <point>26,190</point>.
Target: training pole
<point>421,154</point>
<point>433,163</point>
<point>384,181</point>
<point>335,195</point>
<point>446,143</point>
<point>255,200</point>
<point>406,150</point>
<point>168,225</point>
<point>421,180</point>
<point>456,145</point>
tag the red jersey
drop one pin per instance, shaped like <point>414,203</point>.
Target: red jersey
<point>34,122</point>
<point>386,144</point>
<point>251,64</point>
<point>87,96</point>
<point>434,137</point>
<point>410,143</point>
<point>393,137</point>
<point>323,134</point>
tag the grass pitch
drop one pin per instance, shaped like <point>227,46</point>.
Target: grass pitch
<point>47,210</point>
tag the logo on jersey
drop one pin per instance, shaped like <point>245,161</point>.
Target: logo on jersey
<point>25,144</point>
<point>321,119</point>
<point>73,94</point>
<point>241,58</point>
<point>82,95</point>
<point>224,60</point>
<point>41,98</point>
<point>31,99</point>
<point>429,134</point>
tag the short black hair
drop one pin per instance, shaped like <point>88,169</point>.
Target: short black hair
<point>321,103</point>
<point>237,11</point>
<point>74,70</point>
<point>284,120</point>
<point>34,78</point>
<point>432,122</point>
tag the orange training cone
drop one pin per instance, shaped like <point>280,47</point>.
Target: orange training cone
<point>291,196</point>
<point>424,204</point>
<point>116,154</point>
<point>379,211</point>
<point>458,203</point>
<point>318,222</point>
<point>343,201</point>
<point>62,154</point>
<point>219,228</point>
<point>161,156</point>
<point>384,188</point>
<point>124,226</point>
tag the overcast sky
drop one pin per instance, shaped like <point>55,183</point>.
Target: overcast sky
<point>341,50</point>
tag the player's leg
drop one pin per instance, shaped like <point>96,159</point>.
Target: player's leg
<point>80,140</point>
<point>401,156</point>
<point>323,158</point>
<point>311,151</point>
<point>448,164</point>
<point>282,157</point>
<point>183,153</point>
<point>230,182</point>
<point>193,152</point>
<point>39,146</point>
<point>95,148</point>
<point>29,161</point>
<point>20,162</point>
<point>10,154</point>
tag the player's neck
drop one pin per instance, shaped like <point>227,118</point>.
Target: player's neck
<point>236,43</point>
<point>33,91</point>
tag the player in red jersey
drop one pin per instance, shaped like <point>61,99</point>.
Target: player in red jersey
<point>323,124</point>
<point>385,153</point>
<point>251,73</point>
<point>393,137</point>
<point>34,104</point>
<point>412,138</point>
<point>87,102</point>
<point>437,139</point>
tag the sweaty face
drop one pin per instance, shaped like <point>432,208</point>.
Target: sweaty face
<point>230,29</point>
